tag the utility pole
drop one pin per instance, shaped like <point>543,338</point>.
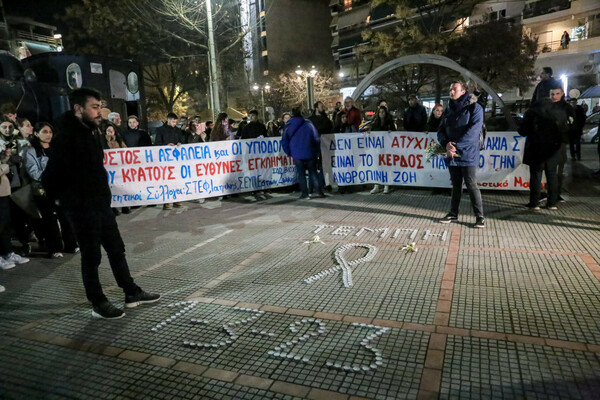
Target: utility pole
<point>214,81</point>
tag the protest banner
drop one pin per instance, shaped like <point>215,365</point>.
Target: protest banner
<point>399,158</point>
<point>164,174</point>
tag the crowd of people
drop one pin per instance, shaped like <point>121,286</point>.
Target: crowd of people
<point>28,212</point>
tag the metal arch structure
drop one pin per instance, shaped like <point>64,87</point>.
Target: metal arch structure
<point>432,59</point>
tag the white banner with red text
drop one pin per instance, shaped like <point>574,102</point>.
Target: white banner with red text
<point>166,174</point>
<point>399,159</point>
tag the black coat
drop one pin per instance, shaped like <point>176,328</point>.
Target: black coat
<point>252,130</point>
<point>136,138</point>
<point>546,126</point>
<point>167,134</point>
<point>415,119</point>
<point>322,123</point>
<point>75,173</point>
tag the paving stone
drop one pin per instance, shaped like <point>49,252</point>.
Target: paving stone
<point>518,315</point>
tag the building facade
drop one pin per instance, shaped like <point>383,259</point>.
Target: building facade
<point>546,20</point>
<point>24,37</point>
<point>284,34</point>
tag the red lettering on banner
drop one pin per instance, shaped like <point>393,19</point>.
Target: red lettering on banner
<point>410,161</point>
<point>395,142</point>
<point>144,174</point>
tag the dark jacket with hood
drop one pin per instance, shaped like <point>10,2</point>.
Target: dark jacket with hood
<point>461,123</point>
<point>300,139</point>
<point>75,172</point>
<point>546,126</point>
<point>167,134</point>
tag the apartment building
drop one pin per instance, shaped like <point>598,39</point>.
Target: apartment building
<point>24,37</point>
<point>283,35</point>
<point>579,64</point>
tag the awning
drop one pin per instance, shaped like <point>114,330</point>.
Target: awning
<point>353,17</point>
<point>594,91</point>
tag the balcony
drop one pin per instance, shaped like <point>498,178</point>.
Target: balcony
<point>543,7</point>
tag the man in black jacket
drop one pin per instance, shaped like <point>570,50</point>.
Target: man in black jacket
<point>169,135</point>
<point>546,125</point>
<point>252,129</point>
<point>75,176</point>
<point>415,116</point>
<point>542,90</point>
<point>135,137</point>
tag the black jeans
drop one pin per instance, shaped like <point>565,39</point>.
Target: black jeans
<point>466,174</point>
<point>301,167</point>
<point>21,223</point>
<point>95,228</point>
<point>54,233</point>
<point>550,166</point>
<point>575,147</point>
<point>5,246</point>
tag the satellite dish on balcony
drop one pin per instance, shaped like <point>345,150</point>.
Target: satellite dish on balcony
<point>574,93</point>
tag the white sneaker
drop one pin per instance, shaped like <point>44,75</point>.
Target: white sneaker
<point>57,255</point>
<point>16,259</point>
<point>6,264</point>
<point>2,288</point>
<point>376,189</point>
<point>386,189</point>
<point>201,201</point>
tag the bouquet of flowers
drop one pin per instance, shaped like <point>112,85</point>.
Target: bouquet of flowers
<point>435,149</point>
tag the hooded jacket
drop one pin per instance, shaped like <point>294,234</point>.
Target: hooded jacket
<point>461,123</point>
<point>75,172</point>
<point>300,139</point>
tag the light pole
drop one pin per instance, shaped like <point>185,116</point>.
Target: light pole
<point>310,84</point>
<point>214,77</point>
<point>262,89</point>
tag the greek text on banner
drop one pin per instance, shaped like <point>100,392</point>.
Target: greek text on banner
<point>165,174</point>
<point>399,158</point>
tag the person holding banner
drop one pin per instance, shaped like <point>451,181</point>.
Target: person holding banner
<point>459,134</point>
<point>76,177</point>
<point>301,141</point>
<point>169,135</point>
<point>383,121</point>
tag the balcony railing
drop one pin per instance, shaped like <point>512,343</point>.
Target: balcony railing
<point>22,35</point>
<point>541,7</point>
<point>548,47</point>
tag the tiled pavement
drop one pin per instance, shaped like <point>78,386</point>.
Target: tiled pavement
<point>511,311</point>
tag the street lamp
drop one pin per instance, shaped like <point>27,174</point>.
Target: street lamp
<point>310,84</point>
<point>262,89</point>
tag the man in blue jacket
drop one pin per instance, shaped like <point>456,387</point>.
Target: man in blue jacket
<point>459,133</point>
<point>301,141</point>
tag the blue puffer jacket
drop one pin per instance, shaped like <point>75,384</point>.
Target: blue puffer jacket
<point>300,139</point>
<point>461,124</point>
